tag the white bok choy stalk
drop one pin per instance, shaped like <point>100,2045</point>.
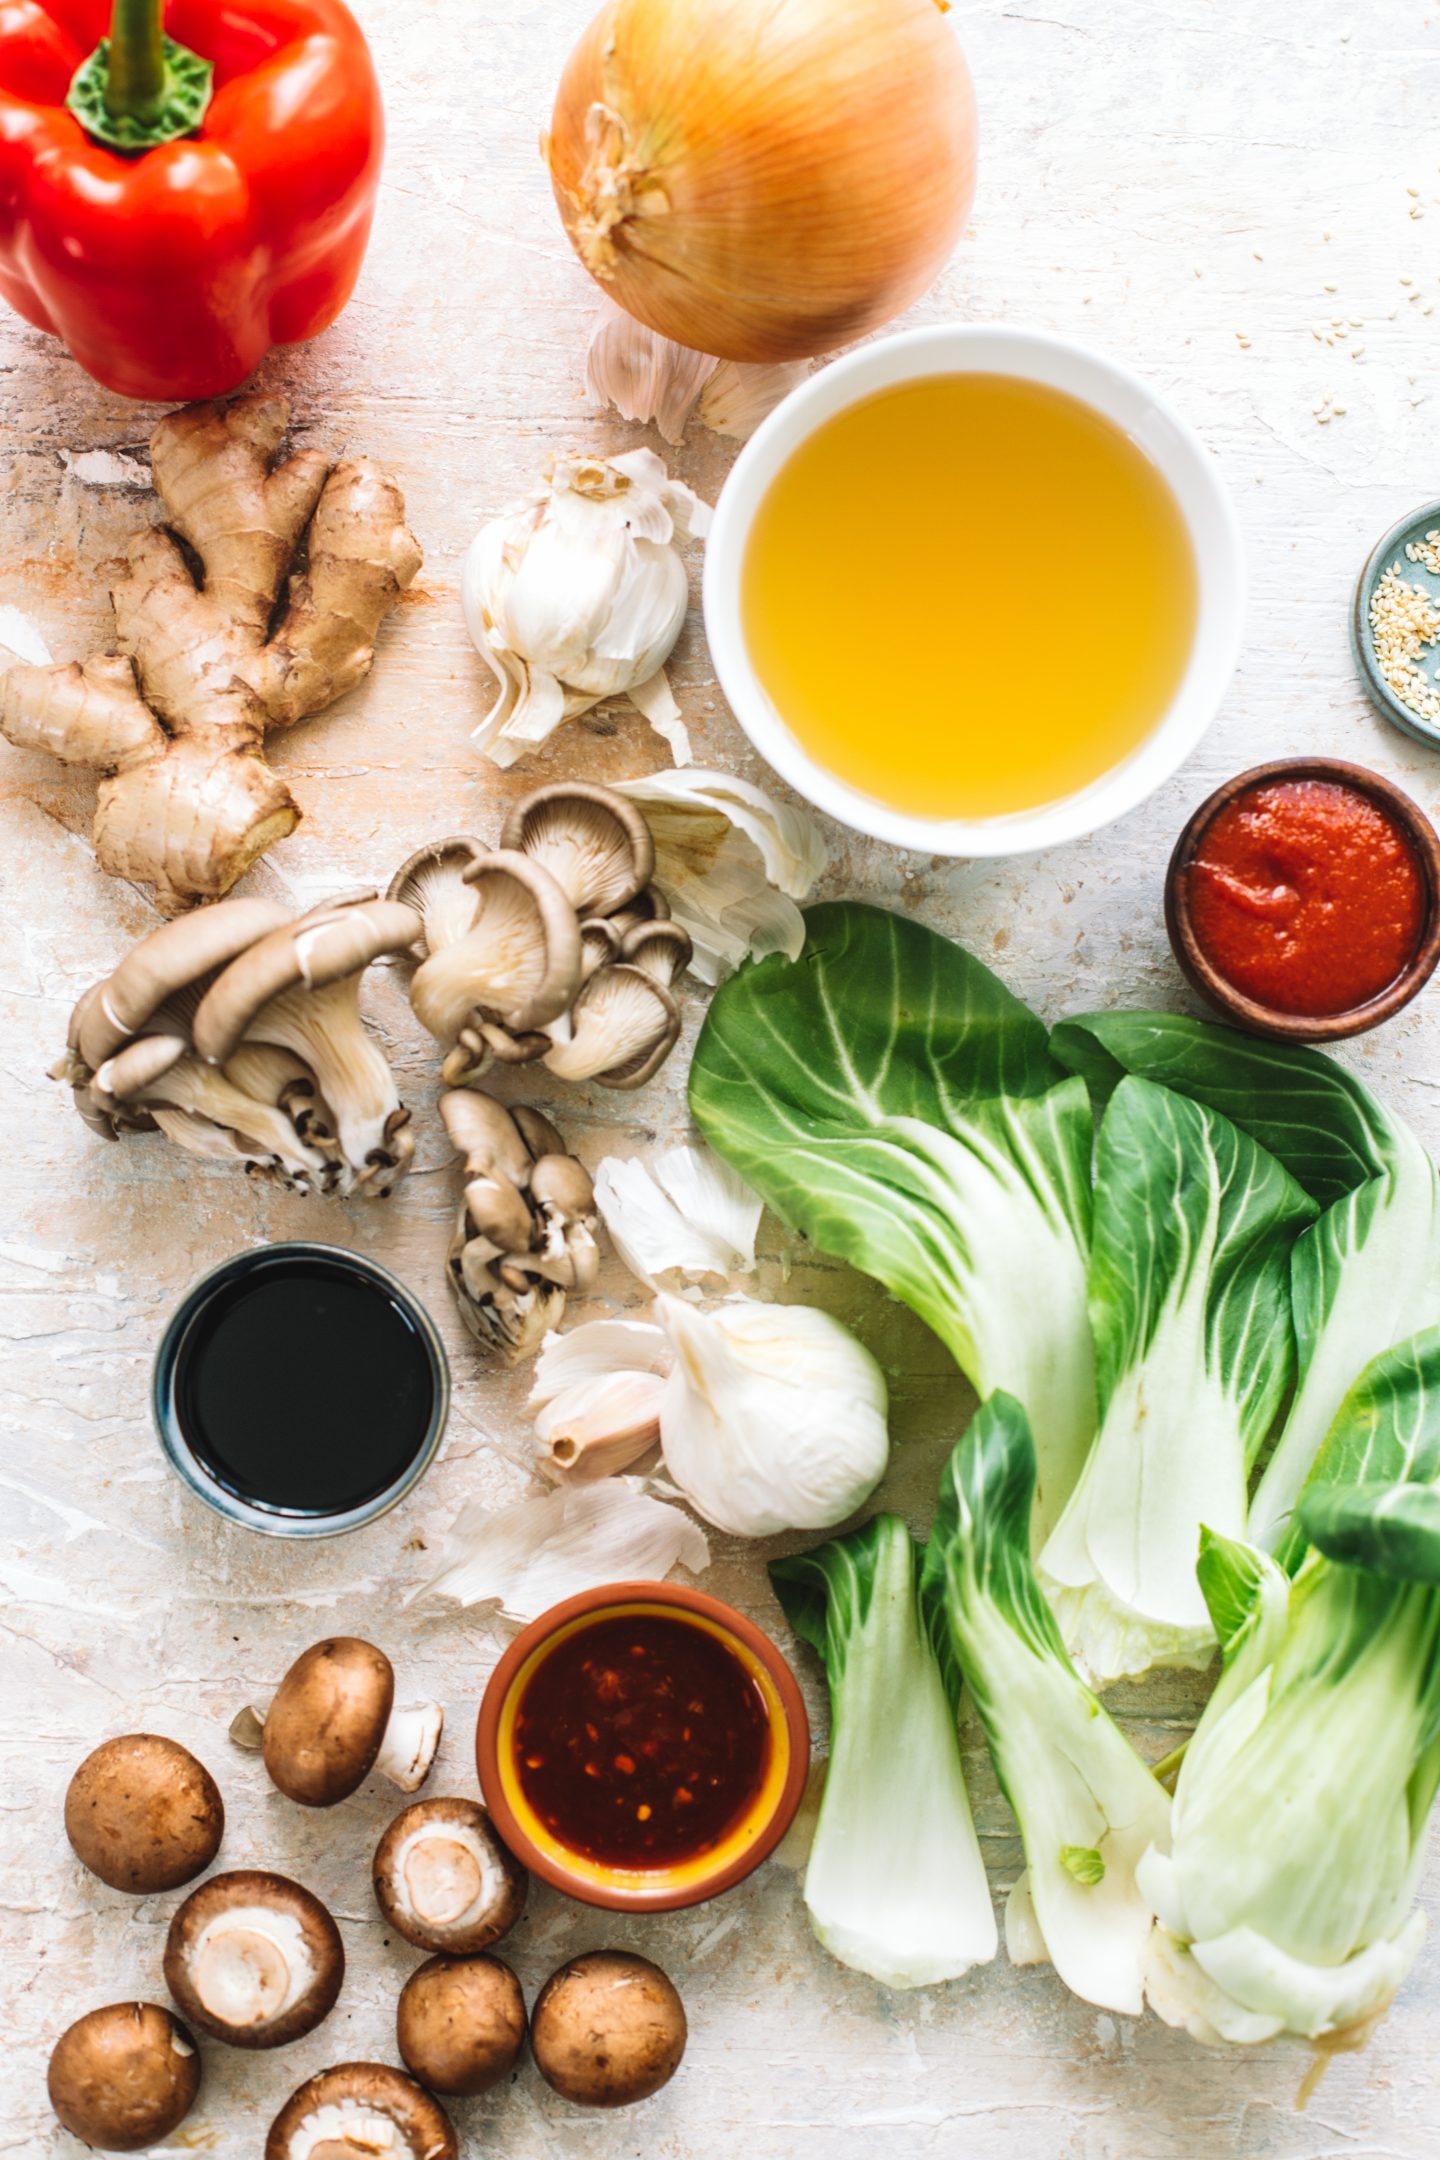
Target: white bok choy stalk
<point>1286,1902</point>
<point>1366,1275</point>
<point>895,1885</point>
<point>889,1098</point>
<point>1190,1311</point>
<point>1087,1806</point>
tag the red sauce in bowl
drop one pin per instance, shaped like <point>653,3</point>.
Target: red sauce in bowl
<point>1307,896</point>
<point>640,1740</point>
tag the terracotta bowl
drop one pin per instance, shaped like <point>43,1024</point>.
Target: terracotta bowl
<point>688,1882</point>
<point>1245,1012</point>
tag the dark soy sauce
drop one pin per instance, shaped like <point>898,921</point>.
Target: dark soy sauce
<point>304,1386</point>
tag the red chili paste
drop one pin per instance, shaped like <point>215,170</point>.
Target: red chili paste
<point>640,1740</point>
<point>1307,896</point>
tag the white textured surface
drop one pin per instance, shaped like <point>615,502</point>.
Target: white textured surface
<point>1160,176</point>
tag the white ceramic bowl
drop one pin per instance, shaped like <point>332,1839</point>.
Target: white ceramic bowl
<point>1035,356</point>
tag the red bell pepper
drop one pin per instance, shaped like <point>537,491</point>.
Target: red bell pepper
<point>171,270</point>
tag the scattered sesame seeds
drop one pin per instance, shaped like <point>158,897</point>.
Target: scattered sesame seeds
<point>1404,621</point>
<point>1332,288</point>
<point>1426,551</point>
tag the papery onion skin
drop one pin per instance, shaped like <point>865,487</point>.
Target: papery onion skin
<point>764,179</point>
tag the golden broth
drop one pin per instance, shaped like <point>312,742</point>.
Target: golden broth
<point>969,595</point>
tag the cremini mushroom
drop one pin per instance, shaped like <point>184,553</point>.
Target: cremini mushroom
<point>518,964</point>
<point>525,1232</point>
<point>298,988</point>
<point>607,2029</point>
<point>143,1814</point>
<point>124,2077</point>
<point>333,1720</point>
<point>254,1959</point>
<point>443,1879</point>
<point>432,881</point>
<point>620,1030</point>
<point>595,844</point>
<point>460,2023</point>
<point>361,2111</point>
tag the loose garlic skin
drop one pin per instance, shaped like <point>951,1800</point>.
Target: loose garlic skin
<point>250,1965</point>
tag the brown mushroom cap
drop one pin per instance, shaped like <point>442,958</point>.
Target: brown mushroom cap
<point>595,843</point>
<point>432,881</point>
<point>254,1959</point>
<point>354,2090</point>
<point>460,2023</point>
<point>124,2077</point>
<point>176,954</point>
<point>143,1814</point>
<point>324,1728</point>
<point>608,2029</point>
<point>444,1880</point>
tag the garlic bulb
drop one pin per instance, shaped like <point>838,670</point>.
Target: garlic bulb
<point>651,378</point>
<point>731,862</point>
<point>578,594</point>
<point>773,1417</point>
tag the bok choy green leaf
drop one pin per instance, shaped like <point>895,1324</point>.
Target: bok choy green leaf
<point>1366,1275</point>
<point>889,1097</point>
<point>1190,1309</point>
<point>1297,1837</point>
<point>1087,1806</point>
<point>895,1884</point>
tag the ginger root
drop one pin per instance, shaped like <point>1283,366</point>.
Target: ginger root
<point>177,718</point>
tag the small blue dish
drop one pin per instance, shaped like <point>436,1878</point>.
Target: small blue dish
<point>300,1390</point>
<point>1391,551</point>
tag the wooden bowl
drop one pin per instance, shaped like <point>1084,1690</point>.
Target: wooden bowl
<point>688,1882</point>
<point>1245,1012</point>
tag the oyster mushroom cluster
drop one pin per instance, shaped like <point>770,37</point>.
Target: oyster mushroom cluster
<point>525,1233</point>
<point>237,1032</point>
<point>554,946</point>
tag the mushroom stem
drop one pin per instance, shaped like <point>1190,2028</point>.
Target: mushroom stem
<point>408,1748</point>
<point>324,1028</point>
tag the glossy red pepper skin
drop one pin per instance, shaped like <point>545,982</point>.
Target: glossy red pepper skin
<point>170,275</point>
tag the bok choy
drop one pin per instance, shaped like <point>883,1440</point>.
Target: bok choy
<point>1367,1274</point>
<point>887,1096</point>
<point>1087,1806</point>
<point>1286,1901</point>
<point>1190,1309</point>
<point>895,1885</point>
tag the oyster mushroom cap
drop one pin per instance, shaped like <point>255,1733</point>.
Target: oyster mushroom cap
<point>254,1959</point>
<point>432,881</point>
<point>176,954</point>
<point>623,1026</point>
<point>519,960</point>
<point>333,1720</point>
<point>595,843</point>
<point>659,948</point>
<point>124,2077</point>
<point>608,2029</point>
<point>444,1880</point>
<point>460,2023</point>
<point>536,1130</point>
<point>137,1066</point>
<point>499,1214</point>
<point>143,1814</point>
<point>320,949</point>
<point>358,2111</point>
<point>486,1134</point>
<point>648,906</point>
<point>600,943</point>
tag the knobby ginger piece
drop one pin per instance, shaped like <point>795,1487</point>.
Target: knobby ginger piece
<point>176,719</point>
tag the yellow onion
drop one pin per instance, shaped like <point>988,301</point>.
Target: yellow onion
<point>764,179</point>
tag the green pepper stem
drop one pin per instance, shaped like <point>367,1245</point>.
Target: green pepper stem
<point>138,77</point>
